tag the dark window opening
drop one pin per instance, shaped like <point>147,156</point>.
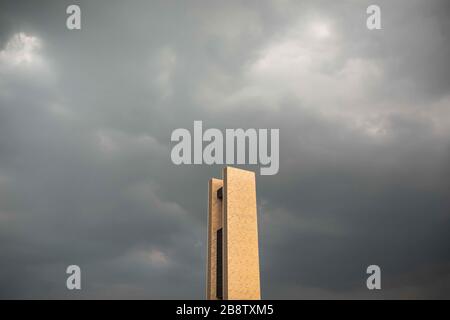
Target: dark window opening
<point>219,277</point>
<point>220,193</point>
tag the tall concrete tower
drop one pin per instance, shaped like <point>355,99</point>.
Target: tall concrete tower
<point>233,258</point>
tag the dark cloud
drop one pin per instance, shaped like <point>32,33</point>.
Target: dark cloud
<point>85,124</point>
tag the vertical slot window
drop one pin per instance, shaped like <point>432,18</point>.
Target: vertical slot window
<point>219,269</point>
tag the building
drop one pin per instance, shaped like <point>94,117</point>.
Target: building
<point>233,257</point>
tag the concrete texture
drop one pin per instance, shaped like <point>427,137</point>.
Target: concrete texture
<point>237,214</point>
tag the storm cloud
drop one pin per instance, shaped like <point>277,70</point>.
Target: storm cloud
<point>85,123</point>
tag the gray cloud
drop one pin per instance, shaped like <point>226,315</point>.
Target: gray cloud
<point>85,124</point>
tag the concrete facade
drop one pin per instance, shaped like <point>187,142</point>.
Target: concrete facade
<point>232,223</point>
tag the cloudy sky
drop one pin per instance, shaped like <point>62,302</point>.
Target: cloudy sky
<point>85,124</point>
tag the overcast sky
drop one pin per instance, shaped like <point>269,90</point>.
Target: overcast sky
<point>85,124</point>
